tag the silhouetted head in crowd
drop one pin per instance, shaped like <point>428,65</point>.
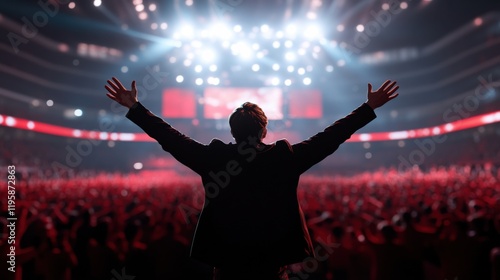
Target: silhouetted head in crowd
<point>462,227</point>
<point>86,216</point>
<point>53,237</point>
<point>338,232</point>
<point>481,225</point>
<point>248,121</point>
<point>170,229</point>
<point>410,217</point>
<point>389,233</point>
<point>101,232</point>
<point>35,234</point>
<point>132,230</point>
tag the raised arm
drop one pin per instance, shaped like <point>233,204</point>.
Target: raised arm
<point>313,150</point>
<point>186,150</point>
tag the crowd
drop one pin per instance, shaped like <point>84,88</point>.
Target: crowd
<point>441,223</point>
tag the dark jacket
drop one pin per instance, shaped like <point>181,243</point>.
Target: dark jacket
<point>251,212</point>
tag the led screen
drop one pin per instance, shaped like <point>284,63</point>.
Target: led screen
<point>219,103</point>
<point>305,104</point>
<point>179,103</point>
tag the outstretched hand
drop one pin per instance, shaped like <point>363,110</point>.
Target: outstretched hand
<point>120,94</point>
<point>382,95</point>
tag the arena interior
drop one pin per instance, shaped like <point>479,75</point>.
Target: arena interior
<point>86,194</point>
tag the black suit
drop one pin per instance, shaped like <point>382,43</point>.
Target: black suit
<point>251,212</point>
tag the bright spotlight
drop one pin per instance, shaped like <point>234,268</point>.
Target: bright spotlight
<point>288,44</point>
<point>360,28</point>
<point>199,81</point>
<point>97,3</point>
<point>276,67</point>
<point>246,53</point>
<point>179,79</point>
<point>196,44</point>
<point>208,55</point>
<point>221,31</point>
<point>264,28</point>
<point>213,81</point>
<point>237,28</point>
<point>216,81</point>
<point>78,113</point>
<point>198,68</point>
<point>275,81</point>
<point>138,166</point>
<point>288,82</point>
<point>212,68</point>
<point>235,48</point>
<point>290,56</point>
<point>311,15</point>
<point>290,68</point>
<point>291,30</point>
<point>306,81</point>
<point>187,31</point>
<point>143,15</point>
<point>301,71</point>
<point>313,32</point>
<point>10,121</point>
<point>255,67</point>
<point>276,44</point>
<point>241,49</point>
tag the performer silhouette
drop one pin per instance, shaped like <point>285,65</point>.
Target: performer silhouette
<point>251,225</point>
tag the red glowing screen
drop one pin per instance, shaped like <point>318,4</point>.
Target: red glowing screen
<point>305,104</point>
<point>219,103</point>
<point>179,103</point>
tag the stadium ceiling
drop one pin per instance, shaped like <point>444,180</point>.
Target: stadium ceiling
<point>66,49</point>
<point>125,24</point>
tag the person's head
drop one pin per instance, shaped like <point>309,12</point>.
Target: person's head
<point>388,232</point>
<point>246,121</point>
<point>132,230</point>
<point>101,231</point>
<point>338,232</point>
